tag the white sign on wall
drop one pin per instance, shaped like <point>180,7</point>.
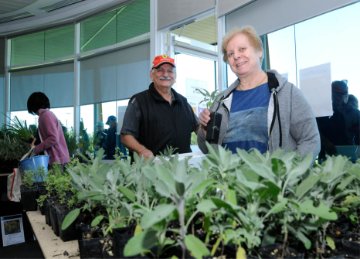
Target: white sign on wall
<point>315,83</point>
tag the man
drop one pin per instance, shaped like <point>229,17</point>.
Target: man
<point>99,137</point>
<point>342,128</point>
<point>159,118</point>
<point>110,141</point>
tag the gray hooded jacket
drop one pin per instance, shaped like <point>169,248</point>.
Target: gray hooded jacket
<point>291,122</point>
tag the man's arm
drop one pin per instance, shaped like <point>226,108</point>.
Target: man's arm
<point>131,143</point>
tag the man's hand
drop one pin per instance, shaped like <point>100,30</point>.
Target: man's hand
<point>146,153</point>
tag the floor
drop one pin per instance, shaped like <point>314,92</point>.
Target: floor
<point>29,249</point>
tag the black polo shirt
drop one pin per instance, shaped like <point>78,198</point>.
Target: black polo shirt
<point>156,124</point>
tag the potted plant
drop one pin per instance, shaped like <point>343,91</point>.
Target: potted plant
<point>30,189</point>
<point>12,149</point>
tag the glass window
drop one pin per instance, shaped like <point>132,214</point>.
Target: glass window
<point>93,113</point>
<point>125,22</point>
<point>133,20</point>
<point>282,53</point>
<point>98,31</point>
<point>325,48</point>
<point>39,47</point>
<point>64,115</point>
<point>27,49</point>
<point>59,43</point>
<point>194,72</point>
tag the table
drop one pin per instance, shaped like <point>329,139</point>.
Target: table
<point>51,245</point>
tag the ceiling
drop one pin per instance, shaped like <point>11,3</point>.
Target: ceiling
<point>18,16</point>
<point>204,30</point>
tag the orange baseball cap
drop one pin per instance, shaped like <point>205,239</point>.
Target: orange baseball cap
<point>162,59</point>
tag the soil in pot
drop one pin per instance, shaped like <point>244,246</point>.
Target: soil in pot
<point>91,248</point>
<point>351,244</point>
<point>276,251</point>
<point>92,244</point>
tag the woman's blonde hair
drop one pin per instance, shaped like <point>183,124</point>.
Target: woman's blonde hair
<point>249,32</point>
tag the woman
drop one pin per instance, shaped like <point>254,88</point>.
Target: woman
<point>50,131</point>
<point>259,110</point>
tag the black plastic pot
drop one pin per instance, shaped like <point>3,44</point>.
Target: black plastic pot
<point>121,237</point>
<point>53,219</point>
<point>47,211</point>
<point>351,244</point>
<point>70,233</point>
<point>90,248</point>
<point>28,198</point>
<point>95,248</point>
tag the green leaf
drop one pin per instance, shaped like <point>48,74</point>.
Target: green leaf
<point>200,187</point>
<point>321,211</point>
<point>222,204</point>
<point>180,188</point>
<point>128,193</point>
<point>140,243</point>
<point>306,185</point>
<point>303,239</point>
<point>205,206</point>
<point>70,218</point>
<point>330,242</point>
<point>231,197</point>
<point>159,213</point>
<point>196,247</point>
<point>96,221</point>
<point>278,207</point>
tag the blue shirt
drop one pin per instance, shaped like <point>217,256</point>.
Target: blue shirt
<point>248,120</point>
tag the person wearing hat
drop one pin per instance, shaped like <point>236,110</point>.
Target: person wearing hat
<point>342,127</point>
<point>159,117</point>
<point>99,137</point>
<point>110,140</point>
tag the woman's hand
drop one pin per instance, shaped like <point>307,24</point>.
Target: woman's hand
<point>204,117</point>
<point>33,143</point>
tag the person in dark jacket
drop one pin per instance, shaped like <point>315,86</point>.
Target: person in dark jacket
<point>110,140</point>
<point>159,118</point>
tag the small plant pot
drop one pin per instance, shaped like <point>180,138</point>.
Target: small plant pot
<point>28,198</point>
<point>121,237</point>
<point>90,248</point>
<point>94,247</point>
<point>67,234</point>
<point>53,219</point>
<point>47,211</point>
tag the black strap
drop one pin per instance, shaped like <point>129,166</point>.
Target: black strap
<point>276,114</point>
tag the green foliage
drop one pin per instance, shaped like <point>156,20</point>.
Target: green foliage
<point>21,130</point>
<point>14,140</point>
<point>245,200</point>
<point>208,98</point>
<point>71,142</point>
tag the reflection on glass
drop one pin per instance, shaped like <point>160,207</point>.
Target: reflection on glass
<point>191,73</point>
<point>318,41</point>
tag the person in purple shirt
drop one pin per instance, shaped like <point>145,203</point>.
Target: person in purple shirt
<point>50,130</point>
